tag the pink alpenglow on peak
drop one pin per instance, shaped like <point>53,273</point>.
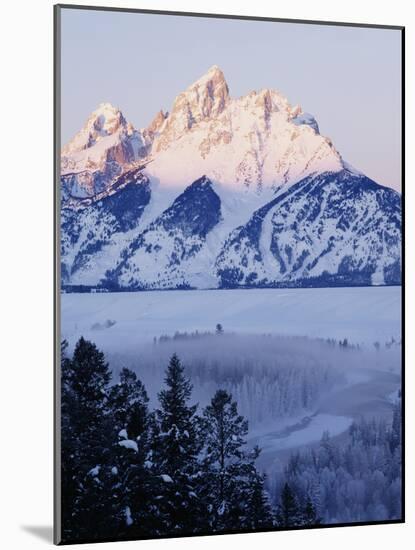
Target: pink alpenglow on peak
<point>104,121</point>
<point>254,142</point>
<point>205,99</point>
<point>105,147</point>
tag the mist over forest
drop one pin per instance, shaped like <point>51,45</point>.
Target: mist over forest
<point>271,376</point>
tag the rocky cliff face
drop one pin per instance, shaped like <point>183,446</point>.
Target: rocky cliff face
<point>221,192</point>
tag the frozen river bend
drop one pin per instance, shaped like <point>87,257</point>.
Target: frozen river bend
<point>114,320</point>
<point>367,394</point>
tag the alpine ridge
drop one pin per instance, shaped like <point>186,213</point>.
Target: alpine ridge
<point>221,192</point>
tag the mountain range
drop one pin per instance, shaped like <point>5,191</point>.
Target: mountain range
<point>221,192</point>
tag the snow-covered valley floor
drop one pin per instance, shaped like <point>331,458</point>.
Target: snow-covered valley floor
<point>362,315</point>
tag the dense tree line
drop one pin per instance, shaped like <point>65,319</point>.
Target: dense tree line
<point>355,481</point>
<point>128,472</point>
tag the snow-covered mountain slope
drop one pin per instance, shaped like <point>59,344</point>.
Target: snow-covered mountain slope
<point>221,192</point>
<point>333,228</point>
<point>167,253</point>
<point>94,232</point>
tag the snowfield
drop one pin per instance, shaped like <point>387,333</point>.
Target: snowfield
<point>122,321</point>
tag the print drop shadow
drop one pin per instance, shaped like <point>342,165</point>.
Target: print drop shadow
<point>43,532</point>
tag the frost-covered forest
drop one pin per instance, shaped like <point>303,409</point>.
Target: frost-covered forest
<point>356,481</point>
<point>140,466</point>
<point>270,376</point>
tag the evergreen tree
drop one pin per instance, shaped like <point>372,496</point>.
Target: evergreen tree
<point>233,489</point>
<point>131,480</point>
<point>219,329</point>
<point>129,404</point>
<point>309,515</point>
<point>174,454</point>
<point>259,510</point>
<point>86,443</point>
<point>68,446</point>
<point>89,383</point>
<point>396,428</point>
<point>289,512</point>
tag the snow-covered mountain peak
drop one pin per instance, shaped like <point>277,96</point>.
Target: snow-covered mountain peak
<point>213,78</point>
<point>205,99</point>
<point>269,99</point>
<point>213,82</point>
<point>106,120</point>
<point>106,145</point>
<point>108,117</point>
<point>253,142</point>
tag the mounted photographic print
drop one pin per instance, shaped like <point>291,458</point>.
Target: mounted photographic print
<point>229,352</point>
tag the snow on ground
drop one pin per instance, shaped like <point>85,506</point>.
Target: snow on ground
<point>362,315</point>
